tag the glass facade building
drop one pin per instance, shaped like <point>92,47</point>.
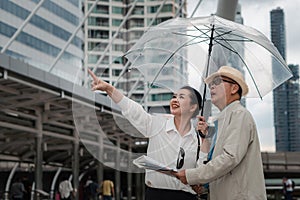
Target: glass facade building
<point>44,35</point>
<point>286,96</point>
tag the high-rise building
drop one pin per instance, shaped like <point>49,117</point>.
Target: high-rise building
<point>286,96</point>
<point>278,30</point>
<point>112,29</point>
<point>294,110</point>
<point>286,113</point>
<point>39,38</point>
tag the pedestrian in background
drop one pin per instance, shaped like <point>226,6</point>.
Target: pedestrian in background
<point>17,189</point>
<point>27,186</point>
<point>287,188</point>
<point>86,188</point>
<point>108,191</point>
<point>94,190</point>
<point>65,189</point>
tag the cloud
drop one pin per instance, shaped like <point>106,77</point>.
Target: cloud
<point>262,112</point>
<point>267,139</point>
<point>206,8</point>
<point>291,12</point>
<point>259,3</point>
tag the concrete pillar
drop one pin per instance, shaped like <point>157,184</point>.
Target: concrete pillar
<point>75,164</point>
<point>226,9</point>
<point>143,185</point>
<point>129,175</point>
<point>38,155</point>
<point>117,171</point>
<point>100,158</point>
<point>100,171</point>
<point>139,186</point>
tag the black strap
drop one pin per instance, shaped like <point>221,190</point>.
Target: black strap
<point>198,147</point>
<point>201,134</point>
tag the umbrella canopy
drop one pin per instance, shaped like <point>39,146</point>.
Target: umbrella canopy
<point>172,52</point>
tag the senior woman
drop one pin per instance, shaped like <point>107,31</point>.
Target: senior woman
<point>172,139</point>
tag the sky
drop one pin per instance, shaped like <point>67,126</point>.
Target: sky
<point>256,13</point>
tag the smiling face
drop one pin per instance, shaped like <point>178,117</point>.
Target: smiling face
<point>180,104</point>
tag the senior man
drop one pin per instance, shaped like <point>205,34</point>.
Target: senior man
<point>234,168</point>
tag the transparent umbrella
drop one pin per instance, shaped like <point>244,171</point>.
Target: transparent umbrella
<point>184,47</point>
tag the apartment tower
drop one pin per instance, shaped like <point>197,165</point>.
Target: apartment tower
<point>112,28</point>
<point>286,96</point>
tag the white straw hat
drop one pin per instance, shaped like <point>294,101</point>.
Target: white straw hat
<point>231,73</point>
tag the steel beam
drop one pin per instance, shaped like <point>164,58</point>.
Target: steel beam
<point>39,155</point>
<point>75,165</point>
<point>11,174</point>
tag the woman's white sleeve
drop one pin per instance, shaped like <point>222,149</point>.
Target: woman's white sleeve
<point>144,122</point>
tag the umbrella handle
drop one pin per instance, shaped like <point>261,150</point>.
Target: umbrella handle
<point>201,134</point>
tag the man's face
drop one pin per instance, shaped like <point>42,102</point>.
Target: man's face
<point>220,89</point>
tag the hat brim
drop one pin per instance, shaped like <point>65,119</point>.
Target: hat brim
<point>238,80</point>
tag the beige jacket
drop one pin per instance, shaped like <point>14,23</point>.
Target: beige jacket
<point>235,171</point>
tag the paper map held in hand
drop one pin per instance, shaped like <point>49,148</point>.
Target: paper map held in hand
<point>146,162</point>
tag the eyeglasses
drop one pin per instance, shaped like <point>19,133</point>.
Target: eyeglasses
<point>218,81</point>
<point>180,158</point>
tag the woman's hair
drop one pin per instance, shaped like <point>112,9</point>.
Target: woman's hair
<point>196,98</point>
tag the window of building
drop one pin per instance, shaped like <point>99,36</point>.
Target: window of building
<point>118,47</point>
<point>135,35</point>
<point>116,22</point>
<point>98,21</point>
<point>167,8</point>
<point>138,10</point>
<point>158,20</point>
<point>93,59</point>
<point>100,9</point>
<point>100,34</point>
<point>161,97</point>
<point>117,10</point>
<point>136,23</point>
<point>102,72</point>
<point>96,46</point>
<point>116,72</point>
<point>117,60</point>
<point>152,9</point>
<point>120,34</point>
